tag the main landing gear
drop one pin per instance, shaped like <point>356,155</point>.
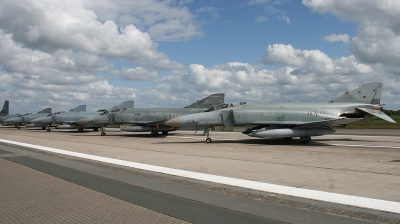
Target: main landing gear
<point>305,140</point>
<point>207,134</point>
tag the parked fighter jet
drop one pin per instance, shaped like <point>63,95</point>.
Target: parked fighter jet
<point>68,120</point>
<point>49,121</point>
<point>290,120</point>
<point>151,119</point>
<point>24,119</point>
<point>4,113</point>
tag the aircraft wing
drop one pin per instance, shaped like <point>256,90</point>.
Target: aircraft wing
<point>335,122</point>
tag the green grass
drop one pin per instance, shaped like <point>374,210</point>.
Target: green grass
<point>376,123</point>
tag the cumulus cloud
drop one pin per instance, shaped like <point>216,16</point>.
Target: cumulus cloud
<point>313,61</point>
<point>49,26</point>
<point>137,74</point>
<point>337,38</point>
<point>162,20</point>
<point>377,39</point>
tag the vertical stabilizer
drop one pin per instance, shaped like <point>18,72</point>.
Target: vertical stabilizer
<point>124,105</point>
<point>80,108</point>
<point>369,94</point>
<point>209,101</point>
<point>6,108</point>
<point>45,111</point>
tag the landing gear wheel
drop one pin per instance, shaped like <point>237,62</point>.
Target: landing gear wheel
<point>48,130</point>
<point>305,140</point>
<point>80,129</point>
<point>103,133</point>
<point>154,133</point>
<point>165,132</point>
<point>208,140</point>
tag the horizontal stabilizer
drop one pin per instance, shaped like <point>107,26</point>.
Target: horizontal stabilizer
<point>377,113</point>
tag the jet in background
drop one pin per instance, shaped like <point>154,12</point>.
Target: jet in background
<point>4,113</point>
<point>47,121</point>
<point>152,119</point>
<point>24,119</point>
<point>289,120</point>
<point>68,120</point>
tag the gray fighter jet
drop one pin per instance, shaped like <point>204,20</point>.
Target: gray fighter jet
<point>68,120</point>
<point>49,120</point>
<point>25,119</point>
<point>152,119</point>
<point>289,120</point>
<point>4,113</point>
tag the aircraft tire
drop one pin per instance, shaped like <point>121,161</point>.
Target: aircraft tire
<point>103,133</point>
<point>208,140</point>
<point>80,129</point>
<point>48,130</point>
<point>305,140</point>
<point>165,132</point>
<point>154,133</point>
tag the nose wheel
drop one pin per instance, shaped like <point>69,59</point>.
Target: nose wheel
<point>102,129</point>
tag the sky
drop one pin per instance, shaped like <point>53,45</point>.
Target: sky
<point>62,54</point>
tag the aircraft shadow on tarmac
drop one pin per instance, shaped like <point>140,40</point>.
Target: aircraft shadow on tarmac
<point>197,138</point>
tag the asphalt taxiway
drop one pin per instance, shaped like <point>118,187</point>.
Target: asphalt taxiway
<point>360,163</point>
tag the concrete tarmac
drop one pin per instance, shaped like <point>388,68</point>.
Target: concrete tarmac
<point>362,163</point>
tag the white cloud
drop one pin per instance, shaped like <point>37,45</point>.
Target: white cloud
<point>377,39</point>
<point>261,19</point>
<point>52,25</point>
<point>138,74</point>
<point>337,38</point>
<point>162,20</point>
<point>285,18</point>
<point>313,61</point>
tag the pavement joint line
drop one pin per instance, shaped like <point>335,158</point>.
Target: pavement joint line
<point>368,146</point>
<point>357,201</point>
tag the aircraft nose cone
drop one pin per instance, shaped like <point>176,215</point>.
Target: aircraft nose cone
<point>174,122</point>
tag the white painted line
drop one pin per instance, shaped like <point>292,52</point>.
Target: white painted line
<point>382,205</point>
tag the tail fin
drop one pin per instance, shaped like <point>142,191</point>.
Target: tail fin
<point>45,111</point>
<point>6,108</point>
<point>80,108</point>
<point>126,104</point>
<point>209,101</point>
<point>369,94</point>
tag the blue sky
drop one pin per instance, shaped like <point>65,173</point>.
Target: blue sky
<point>171,53</point>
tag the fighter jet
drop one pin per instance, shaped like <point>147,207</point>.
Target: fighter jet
<point>68,120</point>
<point>49,120</point>
<point>4,113</point>
<point>289,120</point>
<point>152,119</point>
<point>25,119</point>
